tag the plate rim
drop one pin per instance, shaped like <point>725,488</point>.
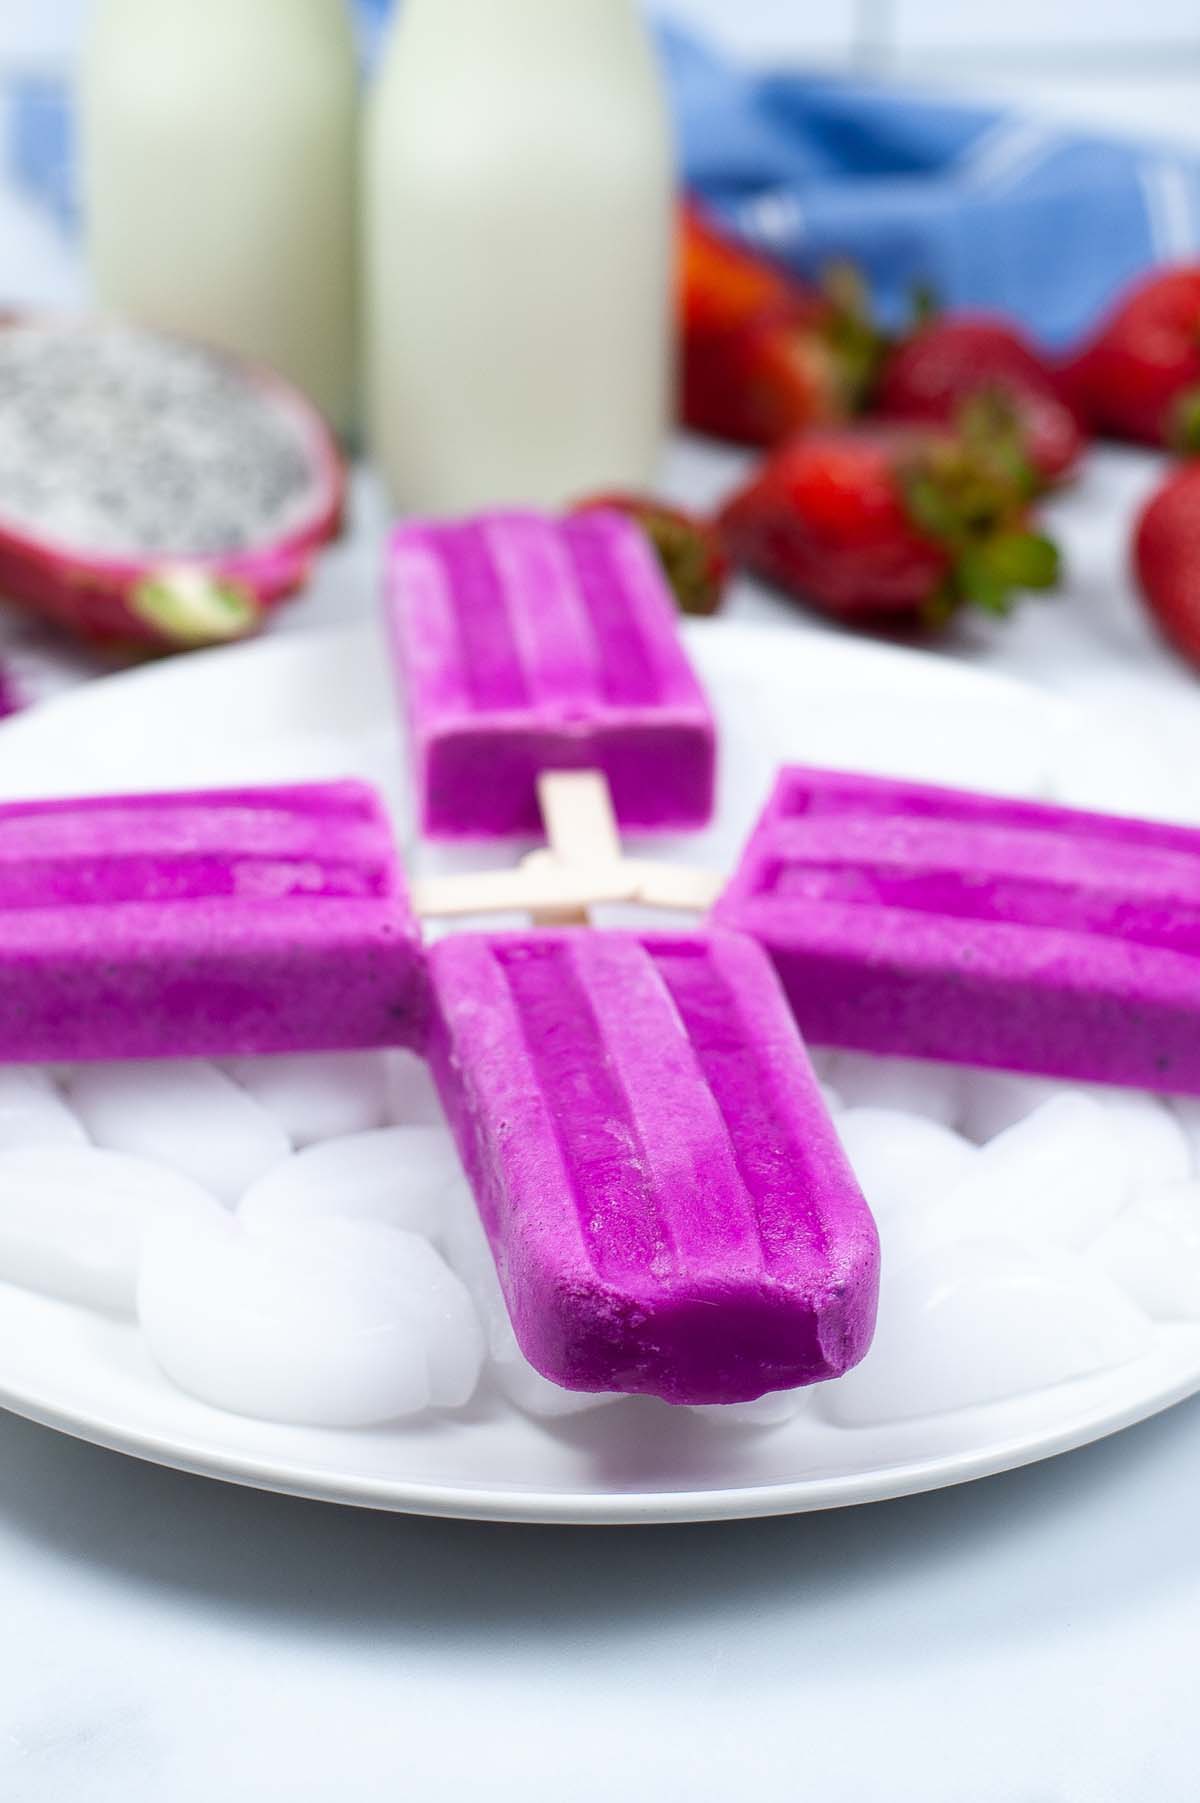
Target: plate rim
<point>488,1502</point>
<point>566,1508</point>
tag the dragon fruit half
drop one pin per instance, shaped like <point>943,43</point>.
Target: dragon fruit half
<point>153,491</point>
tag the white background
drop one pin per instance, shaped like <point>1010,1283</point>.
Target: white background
<point>46,28</point>
<point>1134,63</point>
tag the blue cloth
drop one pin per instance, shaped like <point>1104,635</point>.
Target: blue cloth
<point>39,152</point>
<point>989,208</point>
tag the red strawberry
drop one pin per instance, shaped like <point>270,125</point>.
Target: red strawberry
<point>891,522</point>
<point>1166,554</point>
<point>764,354</point>
<point>1139,376</point>
<point>689,548</point>
<point>725,286</point>
<point>961,359</point>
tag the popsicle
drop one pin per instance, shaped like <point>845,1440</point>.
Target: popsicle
<point>666,1199</point>
<point>940,924</point>
<point>526,644</point>
<point>212,923</point>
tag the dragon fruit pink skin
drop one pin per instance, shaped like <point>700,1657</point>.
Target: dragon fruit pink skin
<point>156,599</point>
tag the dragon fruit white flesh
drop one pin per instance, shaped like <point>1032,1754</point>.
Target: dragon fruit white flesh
<point>152,490</point>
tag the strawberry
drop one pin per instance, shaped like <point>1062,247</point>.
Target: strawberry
<point>689,548</point>
<point>898,523</point>
<point>765,354</point>
<point>1166,555</point>
<point>954,360</point>
<point>725,286</point>
<point>1139,376</point>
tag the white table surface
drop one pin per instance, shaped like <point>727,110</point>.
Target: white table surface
<point>1028,1639</point>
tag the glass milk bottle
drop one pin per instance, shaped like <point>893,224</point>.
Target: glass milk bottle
<point>519,253</point>
<point>219,166</point>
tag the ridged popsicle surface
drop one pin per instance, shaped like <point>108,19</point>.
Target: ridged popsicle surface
<point>526,644</point>
<point>666,1198</point>
<point>206,923</point>
<point>936,923</point>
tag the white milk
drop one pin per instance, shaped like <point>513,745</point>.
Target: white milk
<point>519,250</point>
<point>219,178</point>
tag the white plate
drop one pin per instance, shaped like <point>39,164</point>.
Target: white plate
<point>304,707</point>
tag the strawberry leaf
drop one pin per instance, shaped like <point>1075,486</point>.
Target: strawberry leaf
<point>857,343</point>
<point>1026,560</point>
<point>979,581</point>
<point>990,572</point>
<point>1183,431</point>
<point>925,303</point>
<point>991,428</point>
<point>939,607</point>
<point>931,508</point>
<point>970,495</point>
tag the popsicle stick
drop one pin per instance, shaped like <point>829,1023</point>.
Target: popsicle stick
<point>581,866</point>
<point>581,829</point>
<point>578,814</point>
<point>675,885</point>
<point>539,885</point>
<point>546,860</point>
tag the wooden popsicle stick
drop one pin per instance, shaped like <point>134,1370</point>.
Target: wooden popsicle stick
<point>651,884</point>
<point>579,818</point>
<point>662,885</point>
<point>546,860</point>
<point>541,884</point>
<point>582,866</point>
<point>581,831</point>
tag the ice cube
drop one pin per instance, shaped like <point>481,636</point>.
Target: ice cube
<point>329,1322</point>
<point>1152,1250</point>
<point>454,1346</point>
<point>466,1247</point>
<point>32,1113</point>
<point>909,1085</point>
<point>471,1257</point>
<point>996,1100</point>
<point>774,1409</point>
<point>1155,1145</point>
<point>319,1095</point>
<point>73,1219</point>
<point>412,1099</point>
<point>1186,1110</point>
<point>535,1395</point>
<point>399,1175</point>
<point>181,1113</point>
<point>1059,1176</point>
<point>45,1076</point>
<point>902,1160</point>
<point>974,1322</point>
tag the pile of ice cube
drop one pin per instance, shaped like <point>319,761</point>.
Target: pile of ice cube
<point>297,1243</point>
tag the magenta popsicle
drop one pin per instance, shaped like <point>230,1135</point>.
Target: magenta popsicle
<point>940,924</point>
<point>206,924</point>
<point>667,1202</point>
<point>527,644</point>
